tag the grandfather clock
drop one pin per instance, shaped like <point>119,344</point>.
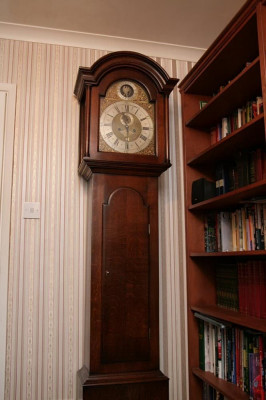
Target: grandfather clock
<point>124,147</point>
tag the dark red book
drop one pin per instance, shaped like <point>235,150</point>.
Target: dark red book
<point>256,289</point>
<point>261,357</point>
<point>262,273</point>
<point>259,164</point>
<point>241,288</point>
<point>246,288</point>
<point>237,342</point>
<point>250,289</point>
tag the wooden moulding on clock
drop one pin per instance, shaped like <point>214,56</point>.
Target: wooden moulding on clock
<point>151,385</point>
<point>127,60</point>
<point>87,167</point>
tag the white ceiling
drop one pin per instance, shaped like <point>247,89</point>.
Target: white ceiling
<point>194,23</point>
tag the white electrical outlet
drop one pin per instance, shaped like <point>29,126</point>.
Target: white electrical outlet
<point>31,210</point>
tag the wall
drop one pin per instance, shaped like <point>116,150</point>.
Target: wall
<point>7,122</point>
<point>47,256</point>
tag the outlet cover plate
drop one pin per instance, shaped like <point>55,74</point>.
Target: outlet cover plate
<point>31,210</point>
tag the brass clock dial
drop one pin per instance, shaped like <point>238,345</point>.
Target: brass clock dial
<point>126,127</point>
<point>127,120</point>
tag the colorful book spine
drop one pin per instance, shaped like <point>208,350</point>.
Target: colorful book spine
<point>242,287</point>
<point>239,117</point>
<point>239,356</point>
<point>238,230</point>
<point>245,168</point>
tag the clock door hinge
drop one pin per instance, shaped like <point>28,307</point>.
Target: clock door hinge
<point>149,229</point>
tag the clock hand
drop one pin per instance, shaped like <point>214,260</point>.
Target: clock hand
<point>127,128</point>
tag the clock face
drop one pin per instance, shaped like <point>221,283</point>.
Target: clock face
<point>126,127</point>
<point>127,120</point>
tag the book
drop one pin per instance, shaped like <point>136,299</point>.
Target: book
<point>259,102</point>
<point>207,360</point>
<point>201,345</point>
<point>226,243</point>
<point>238,230</point>
<point>226,127</point>
<point>202,104</point>
<point>239,117</point>
<point>227,286</point>
<point>210,238</point>
<point>242,287</point>
<point>239,356</point>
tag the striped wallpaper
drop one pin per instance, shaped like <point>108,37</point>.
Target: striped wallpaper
<point>47,256</point>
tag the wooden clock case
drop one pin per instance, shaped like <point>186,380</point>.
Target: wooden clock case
<point>122,332</point>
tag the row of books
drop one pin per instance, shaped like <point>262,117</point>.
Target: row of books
<point>234,354</point>
<point>238,118</point>
<point>240,230</point>
<point>245,168</point>
<point>227,286</point>
<point>209,393</point>
<point>242,287</point>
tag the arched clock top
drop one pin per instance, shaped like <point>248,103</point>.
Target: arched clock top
<point>122,62</point>
<point>124,115</point>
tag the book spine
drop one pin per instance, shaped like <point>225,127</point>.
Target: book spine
<point>207,346</point>
<point>201,345</point>
<point>245,362</point>
<point>261,371</point>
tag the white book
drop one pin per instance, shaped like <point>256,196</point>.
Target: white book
<point>239,117</point>
<point>226,231</point>
<point>219,352</point>
<point>225,127</point>
<point>207,345</point>
<point>212,347</point>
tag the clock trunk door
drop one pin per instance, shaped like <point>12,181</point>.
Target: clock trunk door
<point>124,318</point>
<point>126,277</point>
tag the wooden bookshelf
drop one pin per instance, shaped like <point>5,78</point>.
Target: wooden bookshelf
<point>250,135</point>
<point>228,389</point>
<point>227,76</point>
<point>232,254</point>
<point>232,317</point>
<point>229,199</point>
<point>244,86</point>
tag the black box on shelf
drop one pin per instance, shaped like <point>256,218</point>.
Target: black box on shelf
<point>202,190</point>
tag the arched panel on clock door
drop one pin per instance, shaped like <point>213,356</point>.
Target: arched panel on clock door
<point>126,277</point>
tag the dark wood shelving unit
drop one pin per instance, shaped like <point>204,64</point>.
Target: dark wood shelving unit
<point>232,317</point>
<point>231,199</point>
<point>233,67</point>
<point>228,49</point>
<point>250,135</point>
<point>233,254</point>
<point>228,389</point>
<point>246,85</point>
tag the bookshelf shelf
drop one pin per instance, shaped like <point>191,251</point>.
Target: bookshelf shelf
<point>250,135</point>
<point>233,254</point>
<point>228,389</point>
<point>234,69</point>
<point>246,85</point>
<point>228,50</point>
<point>232,317</point>
<point>230,199</point>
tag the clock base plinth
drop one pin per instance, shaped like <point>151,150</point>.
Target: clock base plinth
<point>150,385</point>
